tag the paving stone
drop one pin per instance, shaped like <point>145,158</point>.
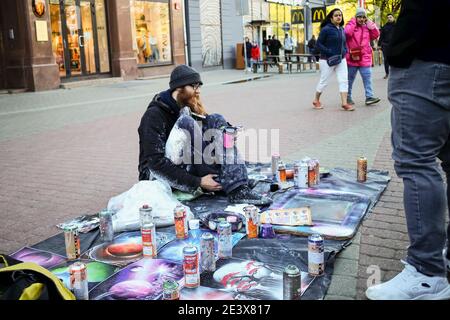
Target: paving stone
<point>343,286</point>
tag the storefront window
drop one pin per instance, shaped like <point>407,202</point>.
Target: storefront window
<point>57,37</point>
<point>150,21</point>
<point>280,14</point>
<point>102,36</point>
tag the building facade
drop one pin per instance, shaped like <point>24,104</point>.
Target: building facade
<point>214,29</point>
<point>298,18</point>
<point>46,42</point>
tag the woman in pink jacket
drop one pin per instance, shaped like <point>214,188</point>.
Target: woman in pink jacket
<point>359,31</point>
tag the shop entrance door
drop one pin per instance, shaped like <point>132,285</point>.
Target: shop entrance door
<point>79,37</point>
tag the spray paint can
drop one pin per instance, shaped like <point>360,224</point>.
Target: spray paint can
<point>145,214</point>
<point>191,267</point>
<point>170,289</point>
<point>281,172</point>
<point>225,246</point>
<point>301,175</point>
<point>229,136</point>
<point>291,283</point>
<point>275,160</point>
<point>181,223</point>
<point>361,169</point>
<point>106,226</point>
<point>148,232</point>
<point>317,171</point>
<point>72,242</point>
<point>79,281</point>
<point>311,173</point>
<point>207,257</point>
<point>252,221</point>
<point>316,255</point>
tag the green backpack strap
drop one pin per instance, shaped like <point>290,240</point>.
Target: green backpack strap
<point>27,280</point>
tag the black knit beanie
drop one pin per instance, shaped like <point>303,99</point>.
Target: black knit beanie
<point>182,76</point>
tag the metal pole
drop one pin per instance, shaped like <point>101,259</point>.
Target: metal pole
<point>245,46</point>
<point>305,24</point>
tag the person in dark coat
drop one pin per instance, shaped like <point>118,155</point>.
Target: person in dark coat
<point>274,48</point>
<point>385,38</point>
<point>419,91</point>
<point>172,146</point>
<point>312,48</point>
<point>247,52</point>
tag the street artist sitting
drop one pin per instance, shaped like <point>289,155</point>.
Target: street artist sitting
<point>172,147</point>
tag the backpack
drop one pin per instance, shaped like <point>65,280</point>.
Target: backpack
<point>29,281</point>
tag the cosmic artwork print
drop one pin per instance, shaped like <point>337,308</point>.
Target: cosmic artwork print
<point>249,279</point>
<point>335,214</point>
<point>126,248</point>
<point>96,272</point>
<point>174,250</point>
<point>43,258</point>
<point>141,280</point>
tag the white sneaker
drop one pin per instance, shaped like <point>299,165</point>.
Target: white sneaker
<point>411,285</point>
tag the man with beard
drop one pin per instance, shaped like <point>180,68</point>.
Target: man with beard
<point>168,129</point>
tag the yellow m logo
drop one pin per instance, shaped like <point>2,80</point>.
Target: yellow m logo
<point>297,16</point>
<point>318,15</point>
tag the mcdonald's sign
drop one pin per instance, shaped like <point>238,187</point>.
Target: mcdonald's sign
<point>297,16</point>
<point>318,14</point>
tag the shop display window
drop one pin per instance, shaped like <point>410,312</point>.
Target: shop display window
<point>150,25</point>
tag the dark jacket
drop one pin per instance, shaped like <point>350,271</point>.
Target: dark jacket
<point>154,130</point>
<point>386,34</point>
<point>248,47</point>
<point>312,44</point>
<point>331,41</point>
<point>422,31</point>
<point>274,47</point>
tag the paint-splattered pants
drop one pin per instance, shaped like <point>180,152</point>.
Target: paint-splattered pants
<point>209,156</point>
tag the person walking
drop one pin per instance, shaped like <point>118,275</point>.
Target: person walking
<point>288,46</point>
<point>247,53</point>
<point>275,46</point>
<point>359,33</point>
<point>255,54</point>
<point>331,43</point>
<point>418,89</point>
<point>385,38</point>
<point>312,48</point>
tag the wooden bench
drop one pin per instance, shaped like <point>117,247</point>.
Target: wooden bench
<point>270,61</point>
<point>302,60</point>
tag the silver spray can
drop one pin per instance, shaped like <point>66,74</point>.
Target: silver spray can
<point>291,283</point>
<point>207,257</point>
<point>106,226</point>
<point>316,255</point>
<point>225,246</point>
<point>79,280</point>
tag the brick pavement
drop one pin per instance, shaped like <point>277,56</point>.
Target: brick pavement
<point>384,237</point>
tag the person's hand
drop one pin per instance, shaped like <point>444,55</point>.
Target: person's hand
<point>370,24</point>
<point>208,183</point>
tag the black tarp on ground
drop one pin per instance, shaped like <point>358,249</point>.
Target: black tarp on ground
<point>279,252</point>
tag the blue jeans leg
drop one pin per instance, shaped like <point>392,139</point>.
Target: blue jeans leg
<point>351,78</point>
<point>366,75</point>
<point>420,134</point>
